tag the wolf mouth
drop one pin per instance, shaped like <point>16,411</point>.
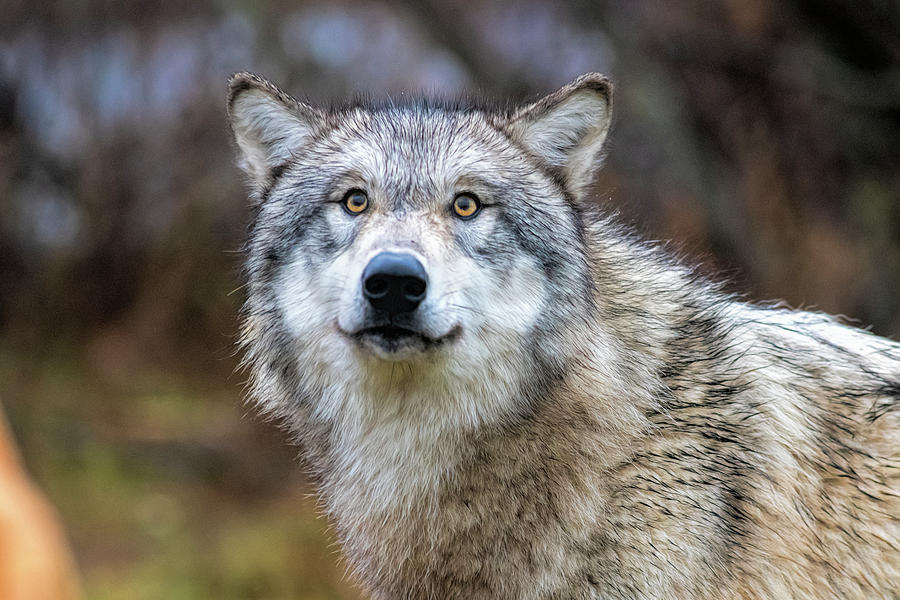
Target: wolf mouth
<point>393,339</point>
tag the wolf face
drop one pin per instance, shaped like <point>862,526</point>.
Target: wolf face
<point>417,247</point>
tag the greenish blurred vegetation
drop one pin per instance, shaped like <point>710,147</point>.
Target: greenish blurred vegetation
<point>762,137</point>
<point>167,489</point>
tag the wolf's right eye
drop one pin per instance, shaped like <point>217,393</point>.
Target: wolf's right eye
<point>466,206</point>
<point>355,202</point>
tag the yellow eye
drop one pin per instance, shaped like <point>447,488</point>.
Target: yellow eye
<point>466,206</point>
<point>355,202</point>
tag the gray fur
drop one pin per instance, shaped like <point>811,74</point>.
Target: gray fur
<point>594,420</point>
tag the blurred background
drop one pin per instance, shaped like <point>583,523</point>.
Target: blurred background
<point>761,137</point>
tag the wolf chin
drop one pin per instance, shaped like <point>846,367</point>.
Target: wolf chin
<point>500,393</point>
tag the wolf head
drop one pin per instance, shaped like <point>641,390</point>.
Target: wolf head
<point>417,257</point>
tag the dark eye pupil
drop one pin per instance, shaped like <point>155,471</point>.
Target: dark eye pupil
<point>356,201</point>
<point>465,203</point>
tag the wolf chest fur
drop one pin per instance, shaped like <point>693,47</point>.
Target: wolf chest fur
<point>500,393</point>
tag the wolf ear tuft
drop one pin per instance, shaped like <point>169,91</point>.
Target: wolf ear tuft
<point>567,128</point>
<point>269,126</point>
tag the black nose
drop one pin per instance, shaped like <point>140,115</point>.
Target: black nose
<point>395,283</point>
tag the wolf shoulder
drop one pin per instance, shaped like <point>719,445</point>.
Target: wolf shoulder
<point>816,350</point>
<point>791,430</point>
<point>821,384</point>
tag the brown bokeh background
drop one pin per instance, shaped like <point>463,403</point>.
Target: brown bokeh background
<point>761,137</point>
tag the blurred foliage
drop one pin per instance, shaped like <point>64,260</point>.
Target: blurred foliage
<point>167,492</point>
<point>762,136</point>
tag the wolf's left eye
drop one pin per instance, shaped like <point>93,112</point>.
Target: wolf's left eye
<point>355,202</point>
<point>466,206</point>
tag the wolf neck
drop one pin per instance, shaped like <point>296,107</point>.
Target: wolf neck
<point>392,452</point>
<point>391,470</point>
<point>399,489</point>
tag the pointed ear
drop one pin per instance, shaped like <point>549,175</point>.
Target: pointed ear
<point>269,126</point>
<point>567,128</point>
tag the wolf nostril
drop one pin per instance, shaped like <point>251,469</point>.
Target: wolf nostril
<point>414,288</point>
<point>395,283</point>
<point>376,286</point>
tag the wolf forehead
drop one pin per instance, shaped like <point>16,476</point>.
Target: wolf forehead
<point>559,136</point>
<point>410,152</point>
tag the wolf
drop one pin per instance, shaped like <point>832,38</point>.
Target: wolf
<point>501,392</point>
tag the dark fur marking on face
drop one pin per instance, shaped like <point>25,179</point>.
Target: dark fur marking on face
<point>277,171</point>
<point>274,175</point>
<point>560,262</point>
<point>273,255</point>
<point>549,261</point>
<point>266,192</point>
<point>312,225</point>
